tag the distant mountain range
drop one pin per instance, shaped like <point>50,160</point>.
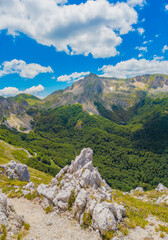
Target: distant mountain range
<point>104,96</point>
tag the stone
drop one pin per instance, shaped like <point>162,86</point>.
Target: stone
<point>161,188</point>
<point>82,189</point>
<point>16,171</point>
<point>62,205</point>
<point>81,199</point>
<point>63,196</point>
<point>140,189</point>
<point>8,216</point>
<point>103,218</point>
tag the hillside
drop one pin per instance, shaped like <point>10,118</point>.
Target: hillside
<point>126,156</point>
<point>23,97</point>
<point>94,92</point>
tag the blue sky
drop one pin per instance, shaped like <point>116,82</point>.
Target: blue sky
<point>47,45</point>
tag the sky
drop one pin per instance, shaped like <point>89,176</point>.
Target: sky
<point>46,45</point>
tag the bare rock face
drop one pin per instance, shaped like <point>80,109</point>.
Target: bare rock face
<point>8,216</point>
<point>16,171</point>
<point>80,188</point>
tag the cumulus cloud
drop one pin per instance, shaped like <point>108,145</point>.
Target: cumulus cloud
<point>166,7</point>
<point>95,26</point>
<point>141,31</point>
<point>72,77</point>
<point>134,67</point>
<point>165,48</point>
<point>134,3</point>
<point>12,91</point>
<point>24,70</point>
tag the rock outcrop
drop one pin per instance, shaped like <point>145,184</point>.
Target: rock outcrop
<point>161,188</point>
<point>16,171</point>
<point>8,217</point>
<point>80,188</point>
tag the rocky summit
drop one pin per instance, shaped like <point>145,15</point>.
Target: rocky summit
<point>81,189</point>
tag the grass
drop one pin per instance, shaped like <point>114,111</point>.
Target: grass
<point>71,200</point>
<point>49,209</point>
<point>137,211</point>
<point>31,196</point>
<point>26,226</point>
<point>87,220</point>
<point>4,232</point>
<point>9,152</point>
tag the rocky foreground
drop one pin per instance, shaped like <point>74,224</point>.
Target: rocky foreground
<point>80,188</point>
<point>78,192</point>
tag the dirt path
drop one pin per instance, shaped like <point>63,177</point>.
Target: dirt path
<point>50,226</point>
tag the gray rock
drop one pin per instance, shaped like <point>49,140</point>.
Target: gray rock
<point>17,171</point>
<point>81,200</point>
<point>103,218</point>
<point>89,193</point>
<point>161,188</point>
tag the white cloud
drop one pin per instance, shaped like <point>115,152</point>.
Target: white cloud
<point>140,55</point>
<point>134,67</point>
<point>95,26</point>
<point>165,48</point>
<point>143,49</point>
<point>72,77</point>
<point>155,57</point>
<point>141,31</point>
<point>134,3</point>
<point>22,68</point>
<point>166,7</point>
<point>12,91</point>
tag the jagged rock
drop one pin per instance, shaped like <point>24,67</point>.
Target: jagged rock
<point>81,188</point>
<point>8,216</point>
<point>16,171</point>
<point>161,187</point>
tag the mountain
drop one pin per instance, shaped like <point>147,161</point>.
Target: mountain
<point>130,141</point>
<point>23,98</point>
<point>8,106</point>
<point>95,92</point>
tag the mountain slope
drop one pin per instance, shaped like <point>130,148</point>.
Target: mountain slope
<point>22,97</point>
<point>108,92</point>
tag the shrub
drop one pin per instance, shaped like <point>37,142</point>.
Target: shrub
<point>71,200</point>
<point>49,209</point>
<point>87,220</point>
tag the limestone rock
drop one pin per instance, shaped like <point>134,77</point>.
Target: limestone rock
<point>161,188</point>
<point>8,216</point>
<point>16,171</point>
<point>81,188</point>
<point>103,218</point>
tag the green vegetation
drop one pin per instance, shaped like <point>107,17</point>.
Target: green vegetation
<point>71,200</point>
<point>130,154</point>
<point>87,220</point>
<point>26,226</point>
<point>4,232</point>
<point>32,100</point>
<point>49,209</point>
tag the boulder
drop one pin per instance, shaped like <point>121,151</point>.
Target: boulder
<point>161,188</point>
<point>103,218</point>
<point>16,171</point>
